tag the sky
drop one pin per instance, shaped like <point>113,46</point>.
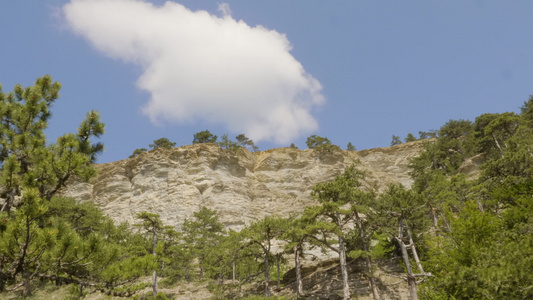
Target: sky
<point>278,71</point>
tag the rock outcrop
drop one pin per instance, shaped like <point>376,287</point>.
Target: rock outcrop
<point>241,186</point>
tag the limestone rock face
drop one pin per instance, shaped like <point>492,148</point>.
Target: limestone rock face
<point>241,186</point>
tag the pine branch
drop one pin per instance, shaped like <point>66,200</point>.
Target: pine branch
<point>246,280</point>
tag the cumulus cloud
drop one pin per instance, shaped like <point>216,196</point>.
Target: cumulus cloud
<point>200,67</point>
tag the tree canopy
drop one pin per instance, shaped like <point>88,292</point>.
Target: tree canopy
<point>204,137</point>
<point>162,143</point>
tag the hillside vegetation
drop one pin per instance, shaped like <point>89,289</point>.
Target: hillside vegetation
<point>454,236</point>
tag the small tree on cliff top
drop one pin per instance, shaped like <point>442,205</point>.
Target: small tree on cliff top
<point>204,137</point>
<point>162,143</point>
<point>245,142</point>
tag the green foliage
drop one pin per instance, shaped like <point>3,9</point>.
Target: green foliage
<point>26,160</point>
<point>161,296</point>
<point>204,137</point>
<point>23,242</point>
<point>410,138</point>
<point>399,204</point>
<point>526,110</point>
<point>478,259</point>
<point>85,217</point>
<point>321,144</point>
<point>483,247</point>
<point>242,142</point>
<point>383,247</point>
<point>316,141</point>
<point>32,171</point>
<point>226,143</point>
<point>293,146</point>
<point>493,130</point>
<point>75,292</point>
<point>341,189</point>
<point>202,234</point>
<point>259,236</point>
<point>334,196</point>
<point>341,202</point>
<point>350,147</point>
<point>245,142</point>
<point>162,143</point>
<point>69,244</point>
<point>137,152</point>
<point>395,140</point>
<point>455,143</point>
<point>427,135</point>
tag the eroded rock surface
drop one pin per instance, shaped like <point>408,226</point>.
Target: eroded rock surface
<point>241,186</point>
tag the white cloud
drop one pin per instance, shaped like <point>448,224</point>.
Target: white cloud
<point>202,68</point>
<point>224,8</point>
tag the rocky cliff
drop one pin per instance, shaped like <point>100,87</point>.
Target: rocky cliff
<point>242,186</point>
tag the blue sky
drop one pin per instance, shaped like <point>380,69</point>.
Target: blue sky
<point>279,71</point>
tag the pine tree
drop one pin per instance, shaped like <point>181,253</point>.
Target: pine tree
<point>32,171</point>
<point>395,140</point>
<point>137,152</point>
<point>204,137</point>
<point>245,142</point>
<point>341,202</point>
<point>321,144</point>
<point>203,233</point>
<point>426,135</point>
<point>162,143</point>
<point>261,234</point>
<point>299,232</point>
<point>27,161</point>
<point>398,213</point>
<point>493,131</point>
<point>226,143</point>
<point>410,138</point>
<point>23,241</point>
<point>152,224</point>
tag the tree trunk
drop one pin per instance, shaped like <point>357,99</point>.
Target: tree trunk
<point>413,249</point>
<point>411,280</point>
<point>497,145</point>
<point>267,272</point>
<point>9,201</point>
<point>154,276</point>
<point>6,206</point>
<point>201,268</point>
<point>479,206</point>
<point>81,289</point>
<point>154,284</point>
<point>344,270</point>
<point>3,278</point>
<point>277,262</point>
<point>343,265</point>
<point>27,281</point>
<point>299,286</point>
<point>233,271</point>
<point>434,216</point>
<point>368,262</point>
